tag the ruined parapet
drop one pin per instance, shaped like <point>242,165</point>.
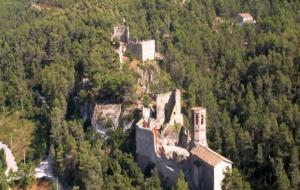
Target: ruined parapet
<point>106,116</point>
<point>168,170</point>
<point>184,137</point>
<point>175,153</point>
<point>162,107</point>
<point>169,108</point>
<point>176,117</point>
<point>175,159</point>
<point>146,143</point>
<point>143,50</point>
<point>121,33</point>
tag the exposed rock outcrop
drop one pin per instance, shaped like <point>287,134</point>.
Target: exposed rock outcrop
<point>106,116</point>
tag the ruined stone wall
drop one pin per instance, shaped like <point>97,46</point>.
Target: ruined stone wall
<point>162,101</point>
<point>202,174</point>
<point>148,50</point>
<point>176,117</point>
<point>136,50</point>
<point>169,168</point>
<point>102,114</point>
<point>145,146</point>
<point>143,50</point>
<point>121,33</point>
<point>168,171</point>
<point>169,108</point>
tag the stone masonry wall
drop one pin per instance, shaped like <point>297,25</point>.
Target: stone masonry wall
<point>145,146</point>
<point>136,50</point>
<point>169,108</point>
<point>162,101</point>
<point>143,50</point>
<point>148,50</point>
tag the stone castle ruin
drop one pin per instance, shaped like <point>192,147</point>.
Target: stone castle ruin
<point>121,34</point>
<point>142,50</point>
<point>162,140</point>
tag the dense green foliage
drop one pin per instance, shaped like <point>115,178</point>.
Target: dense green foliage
<point>247,77</point>
<point>24,176</point>
<point>234,180</point>
<point>2,161</point>
<point>181,183</point>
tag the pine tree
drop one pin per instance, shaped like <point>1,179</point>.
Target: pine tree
<point>181,184</point>
<point>282,180</point>
<point>235,181</point>
<point>294,169</point>
<point>153,182</point>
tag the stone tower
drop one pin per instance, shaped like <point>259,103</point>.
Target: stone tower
<point>199,126</point>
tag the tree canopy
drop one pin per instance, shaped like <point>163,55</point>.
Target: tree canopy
<point>247,77</point>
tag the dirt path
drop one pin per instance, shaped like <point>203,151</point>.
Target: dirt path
<point>10,159</point>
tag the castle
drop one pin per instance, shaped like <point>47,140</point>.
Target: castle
<point>142,50</point>
<point>162,140</point>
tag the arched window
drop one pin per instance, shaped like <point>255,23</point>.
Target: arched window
<point>202,119</point>
<point>197,119</point>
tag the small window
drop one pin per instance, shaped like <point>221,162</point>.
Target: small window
<point>197,119</point>
<point>202,119</point>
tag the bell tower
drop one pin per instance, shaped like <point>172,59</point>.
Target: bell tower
<point>199,126</point>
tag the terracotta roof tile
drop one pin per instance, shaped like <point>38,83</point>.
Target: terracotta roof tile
<point>209,156</point>
<point>245,15</point>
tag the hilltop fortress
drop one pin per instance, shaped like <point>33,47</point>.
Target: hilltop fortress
<point>161,136</point>
<point>162,140</point>
<point>143,50</point>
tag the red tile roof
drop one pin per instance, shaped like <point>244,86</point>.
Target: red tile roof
<point>245,15</point>
<point>209,156</point>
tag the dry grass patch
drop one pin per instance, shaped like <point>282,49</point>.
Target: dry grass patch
<point>21,130</point>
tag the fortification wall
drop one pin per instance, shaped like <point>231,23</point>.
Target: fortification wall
<point>169,171</point>
<point>121,33</point>
<point>148,50</point>
<point>169,108</point>
<point>176,117</point>
<point>145,146</point>
<point>136,50</point>
<point>143,50</point>
<point>161,101</point>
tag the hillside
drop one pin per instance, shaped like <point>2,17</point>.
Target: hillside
<point>248,78</point>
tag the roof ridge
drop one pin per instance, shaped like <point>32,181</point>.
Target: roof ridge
<point>217,154</point>
<point>208,155</point>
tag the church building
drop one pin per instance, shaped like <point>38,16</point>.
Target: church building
<point>208,167</point>
<point>158,143</point>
